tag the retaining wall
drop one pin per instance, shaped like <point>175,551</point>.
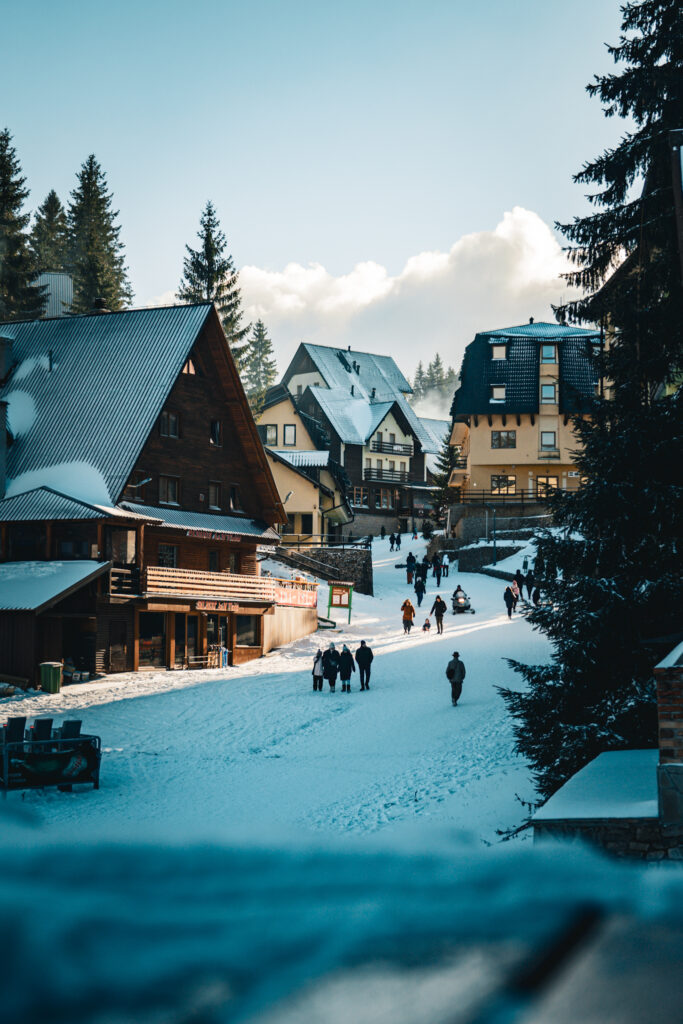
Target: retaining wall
<point>637,838</point>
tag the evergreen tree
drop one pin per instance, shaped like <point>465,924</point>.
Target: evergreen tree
<point>209,275</point>
<point>612,574</point>
<point>434,377</point>
<point>260,368</point>
<point>419,382</point>
<point>95,256</point>
<point>19,298</point>
<point>49,235</point>
<point>443,496</point>
<point>450,384</point>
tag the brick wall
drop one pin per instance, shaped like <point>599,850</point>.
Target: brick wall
<point>670,713</point>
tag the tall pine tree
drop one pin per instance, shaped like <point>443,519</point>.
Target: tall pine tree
<point>444,496</point>
<point>260,368</point>
<point>209,275</point>
<point>49,235</point>
<point>419,382</point>
<point>612,573</point>
<point>20,299</point>
<point>95,257</point>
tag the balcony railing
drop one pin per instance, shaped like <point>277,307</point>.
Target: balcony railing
<point>460,462</point>
<point>392,448</point>
<point>549,453</point>
<point>388,476</point>
<point>157,581</point>
<point>521,498</point>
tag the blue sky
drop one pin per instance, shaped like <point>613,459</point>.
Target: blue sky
<point>325,134</point>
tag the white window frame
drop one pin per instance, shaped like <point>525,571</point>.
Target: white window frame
<point>496,350</point>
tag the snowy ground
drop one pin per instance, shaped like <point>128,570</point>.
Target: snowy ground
<point>254,747</point>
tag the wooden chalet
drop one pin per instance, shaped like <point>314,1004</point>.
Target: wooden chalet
<point>135,492</point>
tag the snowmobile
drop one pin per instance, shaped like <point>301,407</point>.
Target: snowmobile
<point>461,602</point>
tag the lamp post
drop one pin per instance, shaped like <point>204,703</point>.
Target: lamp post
<point>493,509</point>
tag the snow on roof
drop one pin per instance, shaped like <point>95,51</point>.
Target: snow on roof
<point>179,519</point>
<point>673,658</point>
<point>353,419</point>
<point>617,784</point>
<point>32,586</point>
<point>437,430</point>
<point>45,503</point>
<point>303,459</point>
<point>379,372</point>
<point>90,389</point>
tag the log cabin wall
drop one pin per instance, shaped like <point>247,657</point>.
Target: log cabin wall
<point>198,400</point>
<point>196,554</point>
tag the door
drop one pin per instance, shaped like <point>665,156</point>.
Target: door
<point>179,640</point>
<point>118,645</point>
<point>192,637</point>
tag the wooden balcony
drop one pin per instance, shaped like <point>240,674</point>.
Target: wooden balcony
<point>160,581</point>
<point>391,448</point>
<point>388,476</point>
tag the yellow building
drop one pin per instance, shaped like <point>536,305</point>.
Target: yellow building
<point>312,487</point>
<point>519,388</point>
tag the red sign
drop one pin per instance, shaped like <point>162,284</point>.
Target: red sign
<point>298,598</point>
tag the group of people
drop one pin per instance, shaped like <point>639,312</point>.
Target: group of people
<point>438,610</point>
<point>419,572</point>
<point>332,663</point>
<point>515,591</point>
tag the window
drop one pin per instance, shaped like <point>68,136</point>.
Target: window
<point>386,498</point>
<point>190,367</point>
<point>168,490</point>
<point>498,393</point>
<point>214,494</point>
<point>167,555</point>
<point>368,463</point>
<point>247,630</point>
<point>299,390</point>
<point>291,523</point>
<point>360,497</point>
<point>289,432</point>
<point>548,438</point>
<point>503,484</point>
<point>548,394</point>
<point>499,352</point>
<point>307,522</point>
<point>392,466</point>
<point>404,467</point>
<point>268,433</point>
<point>392,438</point>
<point>214,561</point>
<point>169,424</point>
<point>136,488</point>
<point>216,433</point>
<point>544,484</point>
<point>235,503</point>
<point>380,464</point>
<point>503,438</point>
<point>548,354</point>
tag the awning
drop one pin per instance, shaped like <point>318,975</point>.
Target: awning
<point>35,586</point>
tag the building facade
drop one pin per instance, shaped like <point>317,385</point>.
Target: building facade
<point>130,449</point>
<point>512,428</point>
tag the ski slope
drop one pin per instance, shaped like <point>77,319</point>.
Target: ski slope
<point>202,754</point>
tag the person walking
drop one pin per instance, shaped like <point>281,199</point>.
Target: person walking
<point>424,570</point>
<point>346,667</point>
<point>436,560</point>
<point>437,573</point>
<point>530,583</point>
<point>364,658</point>
<point>318,671</point>
<point>331,666</point>
<point>514,587</point>
<point>408,610</point>
<point>439,609</point>
<point>410,567</point>
<point>383,531</point>
<point>509,599</point>
<point>398,540</point>
<point>445,564</point>
<point>419,590</point>
<point>392,541</point>
<point>455,673</point>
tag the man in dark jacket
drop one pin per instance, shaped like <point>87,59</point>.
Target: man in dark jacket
<point>455,673</point>
<point>509,599</point>
<point>419,590</point>
<point>331,666</point>
<point>439,609</point>
<point>364,658</point>
<point>530,582</point>
<point>346,667</point>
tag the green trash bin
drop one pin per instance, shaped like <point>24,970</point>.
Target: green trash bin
<point>51,676</point>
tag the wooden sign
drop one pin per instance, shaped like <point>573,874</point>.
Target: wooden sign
<point>214,606</point>
<point>341,596</point>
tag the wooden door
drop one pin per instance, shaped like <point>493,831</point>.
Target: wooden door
<point>118,645</point>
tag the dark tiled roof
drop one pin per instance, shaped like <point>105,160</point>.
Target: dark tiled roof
<point>44,503</point>
<point>519,372</point>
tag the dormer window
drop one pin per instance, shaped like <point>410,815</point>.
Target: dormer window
<point>189,367</point>
<point>499,352</point>
<point>548,394</point>
<point>497,393</point>
<point>548,354</point>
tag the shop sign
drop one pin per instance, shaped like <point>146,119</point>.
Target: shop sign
<point>234,538</point>
<point>214,606</point>
<point>297,598</point>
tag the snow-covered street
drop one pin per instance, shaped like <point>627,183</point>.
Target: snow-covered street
<point>252,747</point>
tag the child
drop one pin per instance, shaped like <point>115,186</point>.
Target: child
<point>427,626</point>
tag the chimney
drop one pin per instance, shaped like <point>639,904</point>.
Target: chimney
<point>352,387</point>
<point>3,448</point>
<point>348,349</point>
<point>669,678</point>
<point>373,393</point>
<point>100,306</point>
<point>531,319</point>
<point>5,356</point>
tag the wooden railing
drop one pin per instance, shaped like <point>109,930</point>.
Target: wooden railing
<point>221,586</point>
<point>391,448</point>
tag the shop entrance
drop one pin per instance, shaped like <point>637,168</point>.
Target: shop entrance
<point>152,640</point>
<point>186,639</point>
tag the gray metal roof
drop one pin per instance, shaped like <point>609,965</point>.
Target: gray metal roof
<point>86,391</point>
<point>314,458</point>
<point>33,586</point>
<point>179,519</point>
<point>60,293</point>
<point>353,419</point>
<point>379,372</point>
<point>44,503</point>
<point>542,331</point>
<point>437,430</point>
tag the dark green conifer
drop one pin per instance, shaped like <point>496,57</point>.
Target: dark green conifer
<point>95,257</point>
<point>209,275</point>
<point>443,495</point>
<point>49,235</point>
<point>260,368</point>
<point>20,299</point>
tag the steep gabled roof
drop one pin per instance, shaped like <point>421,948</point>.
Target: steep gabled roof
<point>352,419</point>
<point>86,391</point>
<point>336,367</point>
<point>437,430</point>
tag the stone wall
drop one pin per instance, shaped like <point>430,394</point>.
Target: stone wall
<point>469,521</point>
<point>472,559</point>
<point>353,565</point>
<point>636,838</point>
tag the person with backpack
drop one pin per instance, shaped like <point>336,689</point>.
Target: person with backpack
<point>346,667</point>
<point>439,609</point>
<point>408,610</point>
<point>364,658</point>
<point>318,671</point>
<point>455,673</point>
<point>331,666</point>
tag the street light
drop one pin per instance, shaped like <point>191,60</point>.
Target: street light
<point>493,509</point>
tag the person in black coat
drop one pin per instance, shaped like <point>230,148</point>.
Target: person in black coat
<point>364,658</point>
<point>398,540</point>
<point>439,609</point>
<point>331,666</point>
<point>346,667</point>
<point>392,541</point>
<point>530,582</point>
<point>383,532</point>
<point>509,599</point>
<point>419,590</point>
